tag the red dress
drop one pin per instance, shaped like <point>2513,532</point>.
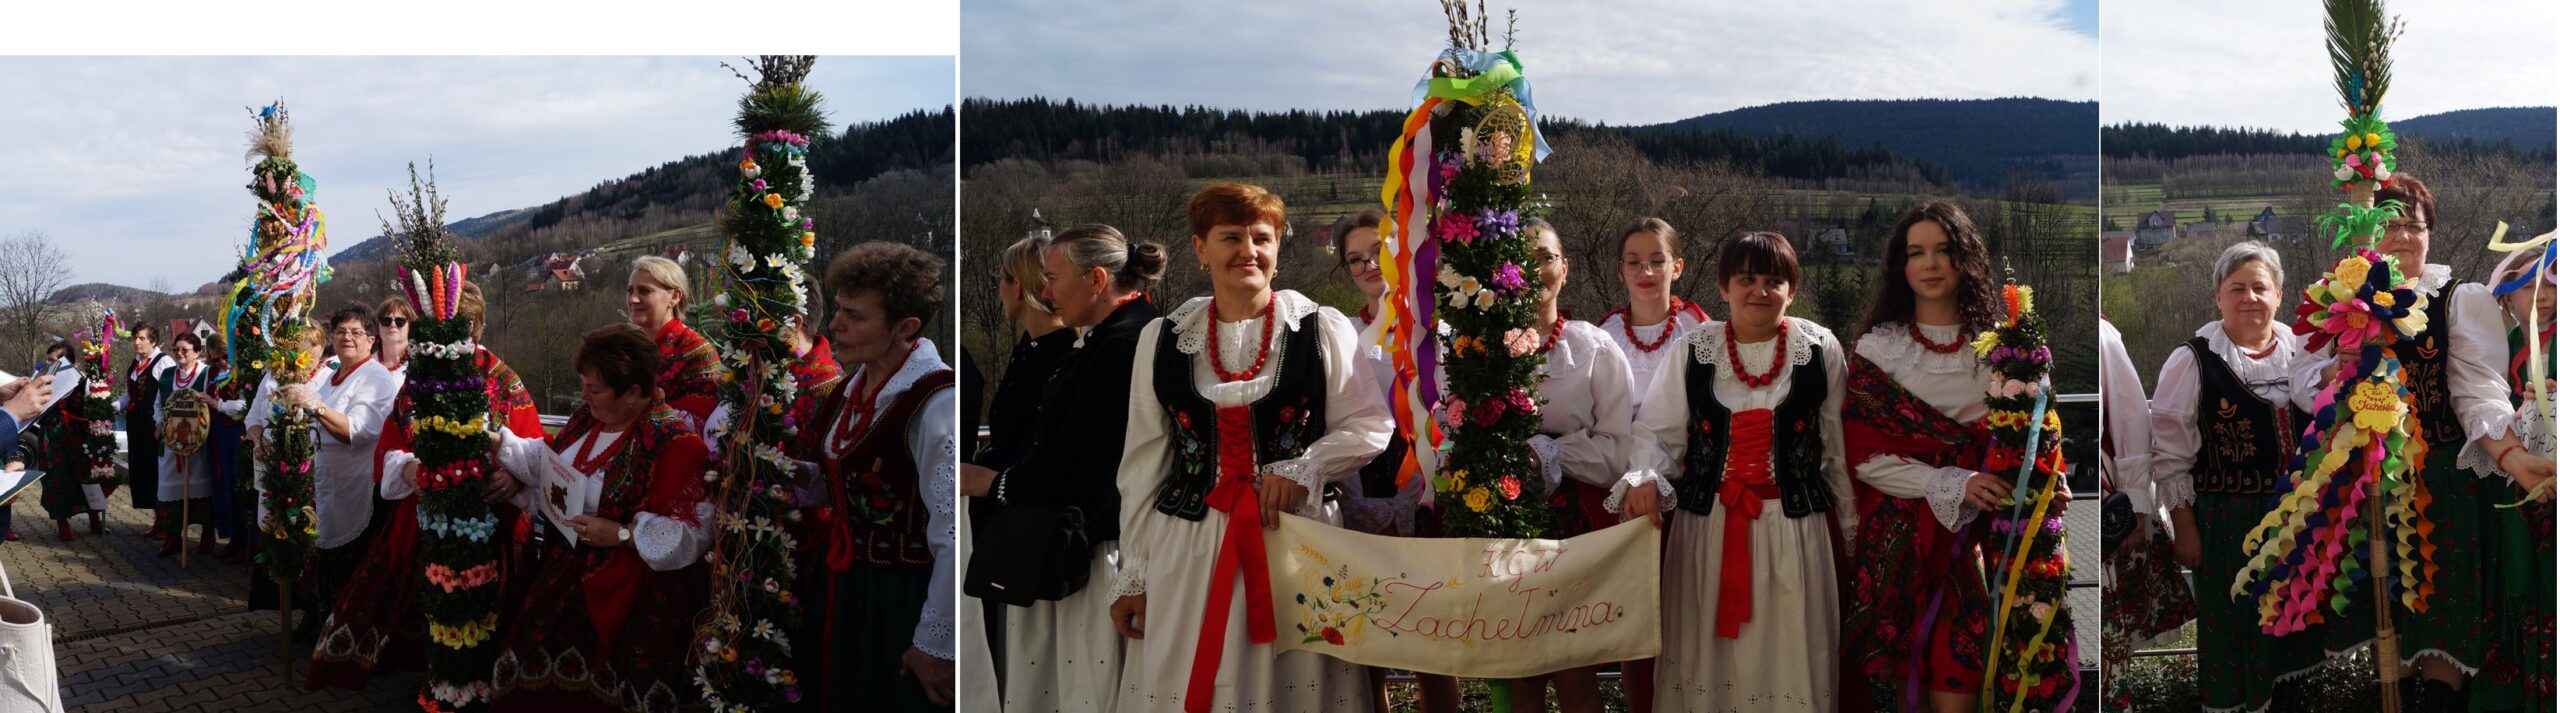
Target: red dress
<point>587,638</point>
<point>1916,614</point>
<point>372,618</point>
<point>689,371</point>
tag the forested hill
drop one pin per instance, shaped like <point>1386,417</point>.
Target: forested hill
<point>1045,130</point>
<point>2526,131</point>
<point>1976,142</point>
<point>919,141</point>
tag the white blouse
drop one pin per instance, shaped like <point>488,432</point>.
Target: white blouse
<point>2125,420</point>
<point>2175,439</point>
<point>1642,364</point>
<point>342,485</point>
<point>2475,374</point>
<point>1662,431</point>
<point>1356,419</point>
<point>1587,422</point>
<point>1953,382</point>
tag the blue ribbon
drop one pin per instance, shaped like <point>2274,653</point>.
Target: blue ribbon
<point>1479,61</point>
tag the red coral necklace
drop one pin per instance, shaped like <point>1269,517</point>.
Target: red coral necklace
<point>1670,320</point>
<point>1260,355</point>
<point>1777,358</point>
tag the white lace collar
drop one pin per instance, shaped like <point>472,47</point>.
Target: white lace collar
<point>924,360</point>
<point>1706,343</point>
<point>2231,353</point>
<point>2432,278</point>
<point>1190,321</point>
<point>1890,343</point>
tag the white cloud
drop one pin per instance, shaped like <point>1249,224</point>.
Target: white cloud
<point>1634,62</point>
<point>2265,64</point>
<point>135,164</point>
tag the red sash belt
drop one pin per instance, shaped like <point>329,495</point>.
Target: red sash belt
<point>1239,552</point>
<point>1746,488</point>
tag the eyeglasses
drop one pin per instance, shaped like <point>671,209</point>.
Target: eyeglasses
<point>345,333</point>
<point>395,322</point>
<point>1360,262</point>
<point>1658,264</point>
<point>1540,258</point>
<point>2405,228</point>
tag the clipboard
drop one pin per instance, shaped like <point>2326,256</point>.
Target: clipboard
<point>14,483</point>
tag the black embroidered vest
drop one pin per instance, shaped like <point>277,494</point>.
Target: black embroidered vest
<point>880,484</point>
<point>1285,421</point>
<point>2247,442</point>
<point>2426,358</point>
<point>1795,449</point>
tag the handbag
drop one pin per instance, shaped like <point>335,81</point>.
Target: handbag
<point>1029,553</point>
<point>29,683</point>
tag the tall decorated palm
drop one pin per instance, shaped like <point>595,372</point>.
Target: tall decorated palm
<point>448,405</point>
<point>744,657</point>
<point>1455,254</point>
<point>2034,657</point>
<point>2356,482</point>
<point>269,310</point>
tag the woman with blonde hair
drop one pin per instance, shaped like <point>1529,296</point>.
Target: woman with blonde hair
<point>689,370</point>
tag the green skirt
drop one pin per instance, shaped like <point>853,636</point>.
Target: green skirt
<point>2451,627</point>
<point>2238,664</point>
<point>857,638</point>
<point>2517,667</point>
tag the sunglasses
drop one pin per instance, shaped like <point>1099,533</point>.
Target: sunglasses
<point>395,322</point>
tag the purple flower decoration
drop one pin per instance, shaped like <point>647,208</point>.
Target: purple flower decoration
<point>1508,278</point>
<point>759,184</point>
<point>1498,224</point>
<point>1487,412</point>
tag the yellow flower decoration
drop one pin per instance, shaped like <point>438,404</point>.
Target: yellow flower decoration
<point>2355,142</point>
<point>773,200</point>
<point>1983,345</point>
<point>2377,406</point>
<point>1479,500</point>
<point>2026,299</point>
<point>2351,273</point>
<point>1458,480</point>
<point>466,635</point>
<point>2384,298</point>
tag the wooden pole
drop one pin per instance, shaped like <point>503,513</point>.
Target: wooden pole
<point>2386,640</point>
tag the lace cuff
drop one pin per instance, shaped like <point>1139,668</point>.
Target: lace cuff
<point>1133,579</point>
<point>2174,493</point>
<point>1618,493</point>
<point>231,408</point>
<point>1946,498</point>
<point>1306,474</point>
<point>1550,459</point>
<point>667,544</point>
<point>2478,457</point>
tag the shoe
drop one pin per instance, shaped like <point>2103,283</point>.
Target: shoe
<point>97,526</point>
<point>13,534</point>
<point>62,530</point>
<point>204,546</point>
<point>234,553</point>
<point>169,547</point>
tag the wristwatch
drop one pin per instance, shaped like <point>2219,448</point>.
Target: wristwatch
<point>622,534</point>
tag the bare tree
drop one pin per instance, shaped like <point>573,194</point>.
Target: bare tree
<point>32,267</point>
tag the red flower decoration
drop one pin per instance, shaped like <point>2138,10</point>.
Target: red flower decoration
<point>1510,487</point>
<point>1331,635</point>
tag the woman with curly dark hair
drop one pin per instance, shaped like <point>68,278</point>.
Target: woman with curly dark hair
<point>1916,614</point>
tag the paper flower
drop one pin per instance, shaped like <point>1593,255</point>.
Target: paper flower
<point>1479,500</point>
<point>1510,487</point>
<point>773,200</point>
<point>1520,341</point>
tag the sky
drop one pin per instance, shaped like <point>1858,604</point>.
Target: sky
<point>2266,64</point>
<point>1622,62</point>
<point>135,165</point>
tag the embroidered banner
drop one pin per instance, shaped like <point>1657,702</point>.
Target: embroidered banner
<point>1479,608</point>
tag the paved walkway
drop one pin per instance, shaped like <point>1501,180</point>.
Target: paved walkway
<point>136,633</point>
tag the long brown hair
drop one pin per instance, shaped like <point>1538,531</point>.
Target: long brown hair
<point>1977,293</point>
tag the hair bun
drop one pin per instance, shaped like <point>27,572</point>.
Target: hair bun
<point>1146,261</point>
